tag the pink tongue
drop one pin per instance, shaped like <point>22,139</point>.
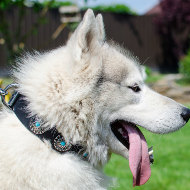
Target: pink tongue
<point>139,162</point>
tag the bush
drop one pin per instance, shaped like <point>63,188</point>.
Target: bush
<point>184,66</point>
<point>151,76</point>
<point>118,8</point>
<point>148,71</point>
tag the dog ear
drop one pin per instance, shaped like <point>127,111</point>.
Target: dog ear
<point>100,25</point>
<point>87,35</point>
<point>87,31</point>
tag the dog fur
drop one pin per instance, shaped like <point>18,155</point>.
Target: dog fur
<point>80,88</point>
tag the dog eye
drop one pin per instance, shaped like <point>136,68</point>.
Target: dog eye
<point>135,88</point>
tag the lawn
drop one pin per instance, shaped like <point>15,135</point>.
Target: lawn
<point>171,169</point>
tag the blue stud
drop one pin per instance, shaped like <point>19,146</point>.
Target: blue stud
<point>62,143</point>
<point>37,124</point>
<point>85,154</point>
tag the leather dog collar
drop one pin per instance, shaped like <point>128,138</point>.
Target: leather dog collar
<point>35,125</point>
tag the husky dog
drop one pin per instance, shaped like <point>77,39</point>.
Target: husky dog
<point>93,92</point>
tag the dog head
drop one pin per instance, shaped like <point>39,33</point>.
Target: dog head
<point>94,93</point>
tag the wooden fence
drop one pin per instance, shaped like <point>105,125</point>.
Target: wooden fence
<point>136,33</point>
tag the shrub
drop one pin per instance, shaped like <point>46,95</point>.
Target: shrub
<point>171,24</point>
<point>118,8</point>
<point>184,66</point>
<point>148,71</point>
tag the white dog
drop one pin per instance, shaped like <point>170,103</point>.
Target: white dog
<point>92,93</point>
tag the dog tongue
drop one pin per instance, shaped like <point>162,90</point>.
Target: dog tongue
<point>139,162</point>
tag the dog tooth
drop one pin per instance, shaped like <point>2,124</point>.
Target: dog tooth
<point>150,152</point>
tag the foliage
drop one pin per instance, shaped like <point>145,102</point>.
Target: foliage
<point>184,67</point>
<point>148,71</point>
<point>14,40</point>
<point>72,26</point>
<point>6,4</point>
<point>121,9</point>
<point>183,82</point>
<point>54,4</point>
<point>152,77</point>
<point>173,26</point>
<point>170,170</point>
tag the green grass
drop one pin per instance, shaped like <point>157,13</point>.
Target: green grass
<point>154,78</point>
<point>171,169</point>
<point>183,82</point>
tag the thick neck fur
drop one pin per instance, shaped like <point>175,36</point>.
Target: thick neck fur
<point>55,96</point>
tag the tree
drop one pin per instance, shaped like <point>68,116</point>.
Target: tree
<point>173,25</point>
<point>14,40</point>
<point>117,8</point>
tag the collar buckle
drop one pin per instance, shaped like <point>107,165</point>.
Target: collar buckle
<point>4,92</point>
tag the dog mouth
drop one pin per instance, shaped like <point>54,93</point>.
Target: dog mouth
<point>140,157</point>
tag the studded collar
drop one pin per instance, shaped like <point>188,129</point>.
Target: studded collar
<point>34,124</point>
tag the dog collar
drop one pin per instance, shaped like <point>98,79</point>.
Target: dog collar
<point>35,125</point>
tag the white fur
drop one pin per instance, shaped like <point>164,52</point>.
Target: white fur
<point>81,88</point>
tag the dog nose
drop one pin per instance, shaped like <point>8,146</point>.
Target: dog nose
<point>186,114</point>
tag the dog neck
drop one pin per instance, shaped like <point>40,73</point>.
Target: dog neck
<point>97,153</point>
<point>38,127</point>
